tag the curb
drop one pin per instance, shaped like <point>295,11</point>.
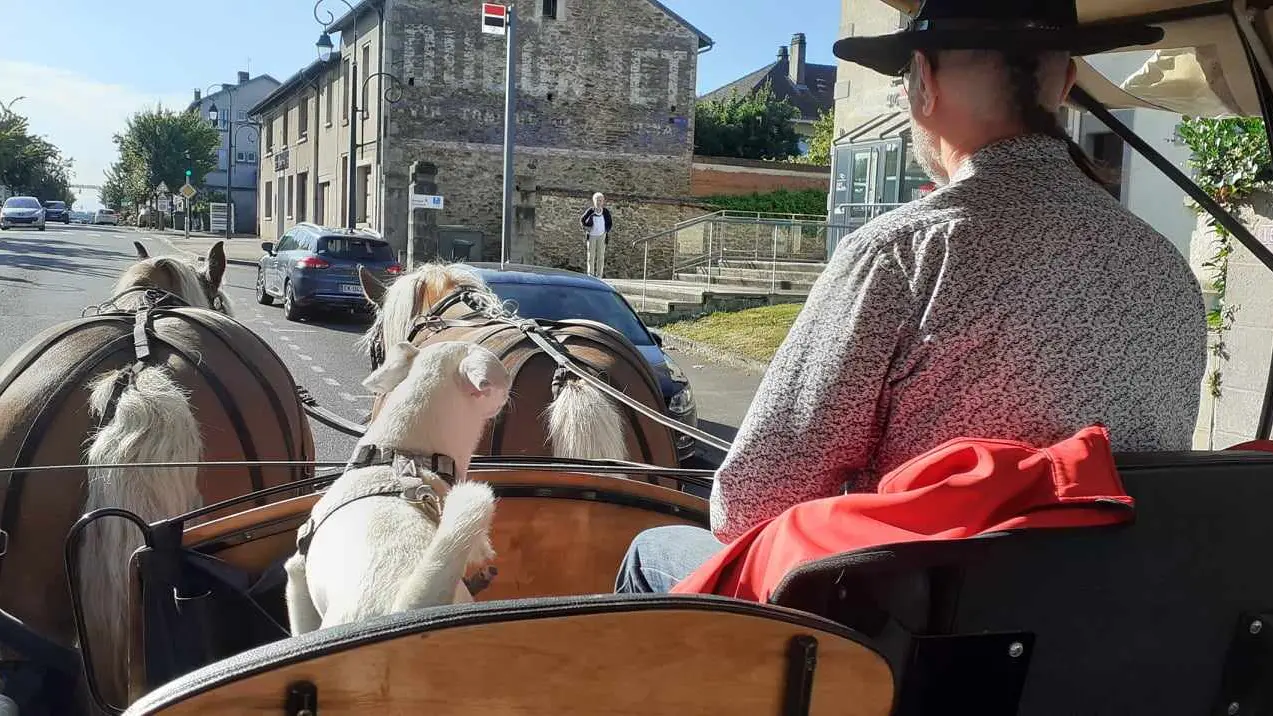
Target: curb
<point>712,353</point>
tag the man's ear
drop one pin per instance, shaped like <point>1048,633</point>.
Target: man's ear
<point>924,78</point>
<point>395,369</point>
<point>215,268</point>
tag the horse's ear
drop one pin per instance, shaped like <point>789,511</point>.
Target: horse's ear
<point>372,288</point>
<point>141,250</point>
<point>216,264</point>
<point>395,369</point>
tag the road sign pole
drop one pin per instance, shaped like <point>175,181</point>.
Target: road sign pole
<point>510,116</point>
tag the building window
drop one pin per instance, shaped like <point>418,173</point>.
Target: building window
<point>364,193</point>
<point>344,189</point>
<point>320,202</point>
<point>345,95</point>
<point>285,119</point>
<point>268,207</point>
<point>302,186</point>
<point>331,91</point>
<point>302,119</point>
<point>269,135</point>
<point>550,9</point>
<point>366,86</point>
<point>245,157</point>
<point>242,116</point>
<point>291,195</point>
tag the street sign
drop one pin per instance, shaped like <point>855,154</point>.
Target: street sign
<point>426,201</point>
<point>188,191</point>
<point>162,188</point>
<point>178,204</point>
<point>164,203</point>
<point>494,18</point>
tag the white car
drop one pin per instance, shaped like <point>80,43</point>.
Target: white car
<point>106,216</point>
<point>22,211</point>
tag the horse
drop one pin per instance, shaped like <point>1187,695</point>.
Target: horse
<point>552,412</point>
<point>408,546</point>
<point>158,373</point>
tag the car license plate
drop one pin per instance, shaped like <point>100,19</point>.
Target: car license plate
<point>351,288</point>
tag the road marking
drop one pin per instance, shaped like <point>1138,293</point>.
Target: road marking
<point>268,323</point>
<point>356,398</point>
<point>318,369</point>
<point>283,338</point>
<point>302,356</point>
<point>294,330</point>
<point>332,382</point>
<point>293,346</point>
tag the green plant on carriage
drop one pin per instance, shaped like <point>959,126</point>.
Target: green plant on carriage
<point>1231,162</point>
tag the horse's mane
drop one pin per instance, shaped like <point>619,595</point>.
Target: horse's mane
<point>191,287</point>
<point>435,281</point>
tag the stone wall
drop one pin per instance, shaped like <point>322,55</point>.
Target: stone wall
<point>559,237</point>
<point>713,176</point>
<point>1234,416</point>
<point>615,117</point>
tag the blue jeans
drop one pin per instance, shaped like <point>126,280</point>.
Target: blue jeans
<point>663,556</point>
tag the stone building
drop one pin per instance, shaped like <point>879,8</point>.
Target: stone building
<point>605,103</point>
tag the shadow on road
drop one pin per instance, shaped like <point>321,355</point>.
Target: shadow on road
<point>60,256</point>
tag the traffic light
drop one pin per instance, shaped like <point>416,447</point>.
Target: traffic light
<point>187,173</point>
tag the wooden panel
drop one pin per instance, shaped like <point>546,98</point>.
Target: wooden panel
<point>546,546</point>
<point>636,662</point>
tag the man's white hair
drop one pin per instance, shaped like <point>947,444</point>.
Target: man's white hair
<point>598,196</point>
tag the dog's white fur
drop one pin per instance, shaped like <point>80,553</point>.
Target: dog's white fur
<point>583,423</point>
<point>153,422</point>
<point>381,555</point>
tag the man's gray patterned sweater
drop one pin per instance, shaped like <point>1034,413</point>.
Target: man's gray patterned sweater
<point>1019,302</point>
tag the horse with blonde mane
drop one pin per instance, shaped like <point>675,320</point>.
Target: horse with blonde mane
<point>159,373</point>
<point>551,412</point>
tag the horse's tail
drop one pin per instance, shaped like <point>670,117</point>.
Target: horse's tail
<point>584,424</point>
<point>462,537</point>
<point>152,421</point>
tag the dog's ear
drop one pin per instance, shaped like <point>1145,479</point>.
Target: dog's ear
<point>141,250</point>
<point>481,373</point>
<point>395,369</point>
<point>372,287</point>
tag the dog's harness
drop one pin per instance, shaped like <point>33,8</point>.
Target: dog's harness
<point>422,480</point>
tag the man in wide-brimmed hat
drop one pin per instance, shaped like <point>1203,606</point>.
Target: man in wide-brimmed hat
<point>1018,301</point>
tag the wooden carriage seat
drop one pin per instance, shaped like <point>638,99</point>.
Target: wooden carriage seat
<point>555,534</point>
<point>602,655</point>
<point>1170,615</point>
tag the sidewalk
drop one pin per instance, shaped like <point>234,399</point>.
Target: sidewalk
<point>243,250</point>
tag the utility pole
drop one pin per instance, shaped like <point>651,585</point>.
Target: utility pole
<point>510,128</point>
<point>229,165</point>
<point>352,179</point>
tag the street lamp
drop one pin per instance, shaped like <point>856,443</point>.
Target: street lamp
<point>392,94</point>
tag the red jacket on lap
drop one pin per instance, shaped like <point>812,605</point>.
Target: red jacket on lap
<point>963,488</point>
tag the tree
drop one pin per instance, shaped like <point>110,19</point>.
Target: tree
<point>821,141</point>
<point>750,126</point>
<point>30,165</point>
<point>156,146</point>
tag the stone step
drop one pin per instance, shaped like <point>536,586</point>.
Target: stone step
<point>750,278</point>
<point>811,267</point>
<point>692,292</point>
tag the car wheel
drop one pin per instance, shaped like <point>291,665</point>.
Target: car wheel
<point>262,297</point>
<point>291,311</point>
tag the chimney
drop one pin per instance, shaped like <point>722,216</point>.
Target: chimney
<point>243,76</point>
<point>198,95</point>
<point>795,68</point>
<point>782,54</point>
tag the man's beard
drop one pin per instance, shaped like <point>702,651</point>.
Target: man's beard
<point>924,146</point>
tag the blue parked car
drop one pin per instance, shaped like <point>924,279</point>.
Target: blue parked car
<point>556,295</point>
<point>317,267</point>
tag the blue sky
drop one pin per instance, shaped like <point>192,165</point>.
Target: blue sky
<point>110,58</point>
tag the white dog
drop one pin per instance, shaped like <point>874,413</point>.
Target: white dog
<point>388,538</point>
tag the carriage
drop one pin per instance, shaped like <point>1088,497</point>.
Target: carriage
<point>1171,614</point>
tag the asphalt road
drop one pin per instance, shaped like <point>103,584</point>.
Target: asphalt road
<point>51,276</point>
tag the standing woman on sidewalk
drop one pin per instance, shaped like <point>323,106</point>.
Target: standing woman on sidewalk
<point>596,233</point>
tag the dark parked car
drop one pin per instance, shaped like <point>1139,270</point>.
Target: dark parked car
<point>315,266</point>
<point>57,211</point>
<point>555,295</point>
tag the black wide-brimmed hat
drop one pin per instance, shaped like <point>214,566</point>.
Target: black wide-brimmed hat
<point>1008,25</point>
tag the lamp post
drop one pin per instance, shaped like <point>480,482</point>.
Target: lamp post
<point>392,94</point>
<point>214,115</point>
